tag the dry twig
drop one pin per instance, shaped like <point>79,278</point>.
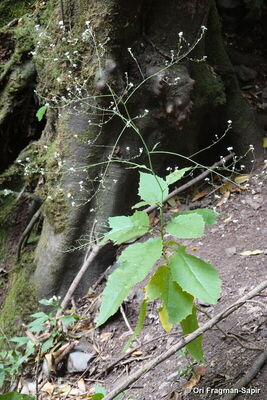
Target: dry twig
<point>251,373</point>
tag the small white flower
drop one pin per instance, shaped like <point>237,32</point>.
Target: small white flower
<point>69,195</point>
<point>49,197</point>
<point>115,180</point>
<point>180,34</point>
<point>73,203</point>
<point>229,121</point>
<point>230,148</point>
<point>204,28</point>
<point>27,159</point>
<point>127,148</point>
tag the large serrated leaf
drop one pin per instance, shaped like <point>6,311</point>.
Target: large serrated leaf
<point>189,325</point>
<point>195,276</point>
<point>135,262</point>
<point>177,302</point>
<point>186,226</point>
<point>208,215</point>
<point>152,188</point>
<point>176,175</point>
<point>127,228</point>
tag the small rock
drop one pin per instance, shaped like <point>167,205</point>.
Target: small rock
<point>78,361</point>
<point>29,387</point>
<point>230,251</point>
<point>245,74</point>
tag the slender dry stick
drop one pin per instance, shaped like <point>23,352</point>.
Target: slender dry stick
<point>94,251</point>
<point>251,373</point>
<point>187,339</point>
<point>193,181</point>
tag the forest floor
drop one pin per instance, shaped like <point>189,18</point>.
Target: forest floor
<point>230,347</point>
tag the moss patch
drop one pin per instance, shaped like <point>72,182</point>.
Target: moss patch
<point>21,300</point>
<point>10,9</point>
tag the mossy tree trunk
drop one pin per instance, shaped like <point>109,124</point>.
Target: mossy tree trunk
<point>75,69</point>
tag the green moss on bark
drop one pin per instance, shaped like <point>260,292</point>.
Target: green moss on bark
<point>10,9</point>
<point>20,300</point>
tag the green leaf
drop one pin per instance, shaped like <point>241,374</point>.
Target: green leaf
<point>152,188</point>
<point>177,302</point>
<point>176,175</point>
<point>126,228</point>
<point>139,325</point>
<point>40,315</point>
<point>2,375</point>
<point>97,396</point>
<point>189,325</point>
<point>41,112</point>
<point>67,320</point>
<point>208,215</point>
<point>186,226</point>
<point>100,392</point>
<point>195,276</point>
<point>15,396</point>
<point>47,344</point>
<point>135,263</point>
<point>165,320</point>
<point>140,204</point>
<point>20,340</point>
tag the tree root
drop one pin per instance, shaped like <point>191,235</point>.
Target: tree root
<point>187,339</point>
<point>251,373</point>
<point>26,233</point>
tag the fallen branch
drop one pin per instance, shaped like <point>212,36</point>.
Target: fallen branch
<point>251,373</point>
<point>193,181</point>
<point>187,339</point>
